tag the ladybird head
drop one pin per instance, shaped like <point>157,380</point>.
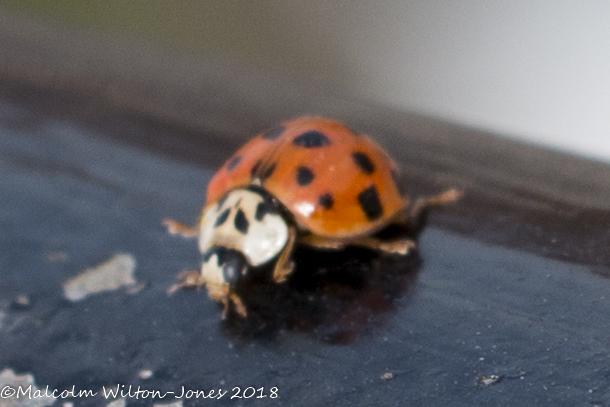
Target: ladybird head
<point>245,228</point>
<point>222,268</point>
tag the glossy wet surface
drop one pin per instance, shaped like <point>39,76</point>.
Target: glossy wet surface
<point>348,329</point>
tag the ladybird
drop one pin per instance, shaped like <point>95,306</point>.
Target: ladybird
<point>310,181</point>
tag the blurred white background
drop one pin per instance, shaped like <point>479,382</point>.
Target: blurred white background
<point>535,70</point>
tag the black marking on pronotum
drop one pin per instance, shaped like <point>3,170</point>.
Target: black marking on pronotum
<point>364,162</point>
<point>370,204</point>
<point>222,201</point>
<point>254,169</point>
<point>326,201</point>
<point>274,133</point>
<point>222,217</point>
<point>233,163</point>
<point>268,171</point>
<point>311,139</point>
<point>241,222</point>
<point>304,176</point>
<point>262,209</point>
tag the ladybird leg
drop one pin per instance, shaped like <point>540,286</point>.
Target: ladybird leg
<point>399,246</point>
<point>422,204</point>
<point>283,265</point>
<point>187,279</point>
<point>178,228</point>
<point>416,215</point>
<point>226,303</point>
<point>240,308</point>
<point>321,242</point>
<point>239,305</point>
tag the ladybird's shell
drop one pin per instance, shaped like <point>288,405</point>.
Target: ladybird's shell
<point>336,183</point>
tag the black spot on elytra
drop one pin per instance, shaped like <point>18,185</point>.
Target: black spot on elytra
<point>222,217</point>
<point>274,133</point>
<point>254,169</point>
<point>268,172</point>
<point>311,139</point>
<point>364,162</point>
<point>326,201</point>
<point>370,204</point>
<point>241,222</point>
<point>233,163</point>
<point>304,176</point>
<point>262,209</point>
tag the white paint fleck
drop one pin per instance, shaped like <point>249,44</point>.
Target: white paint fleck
<point>174,404</point>
<point>117,403</point>
<point>145,374</point>
<point>56,257</point>
<point>108,276</point>
<point>2,317</point>
<point>387,376</point>
<point>9,380</point>
<point>22,300</point>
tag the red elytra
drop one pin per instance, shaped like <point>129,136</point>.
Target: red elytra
<point>337,183</point>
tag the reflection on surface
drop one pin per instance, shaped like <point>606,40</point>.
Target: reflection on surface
<point>334,296</point>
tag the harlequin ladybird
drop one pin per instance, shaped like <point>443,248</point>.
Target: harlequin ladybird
<point>310,181</point>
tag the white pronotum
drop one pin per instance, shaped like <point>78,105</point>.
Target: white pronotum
<point>233,223</point>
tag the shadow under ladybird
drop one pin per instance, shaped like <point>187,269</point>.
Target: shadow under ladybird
<point>335,296</point>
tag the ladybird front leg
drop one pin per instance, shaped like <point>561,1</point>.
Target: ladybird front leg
<point>187,279</point>
<point>226,303</point>
<point>178,228</point>
<point>240,308</point>
<point>283,265</point>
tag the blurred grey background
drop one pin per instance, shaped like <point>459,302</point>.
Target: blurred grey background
<point>533,70</point>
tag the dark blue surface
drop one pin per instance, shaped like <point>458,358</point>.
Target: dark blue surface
<point>438,322</point>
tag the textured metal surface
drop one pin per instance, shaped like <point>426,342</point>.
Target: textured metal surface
<point>82,182</point>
